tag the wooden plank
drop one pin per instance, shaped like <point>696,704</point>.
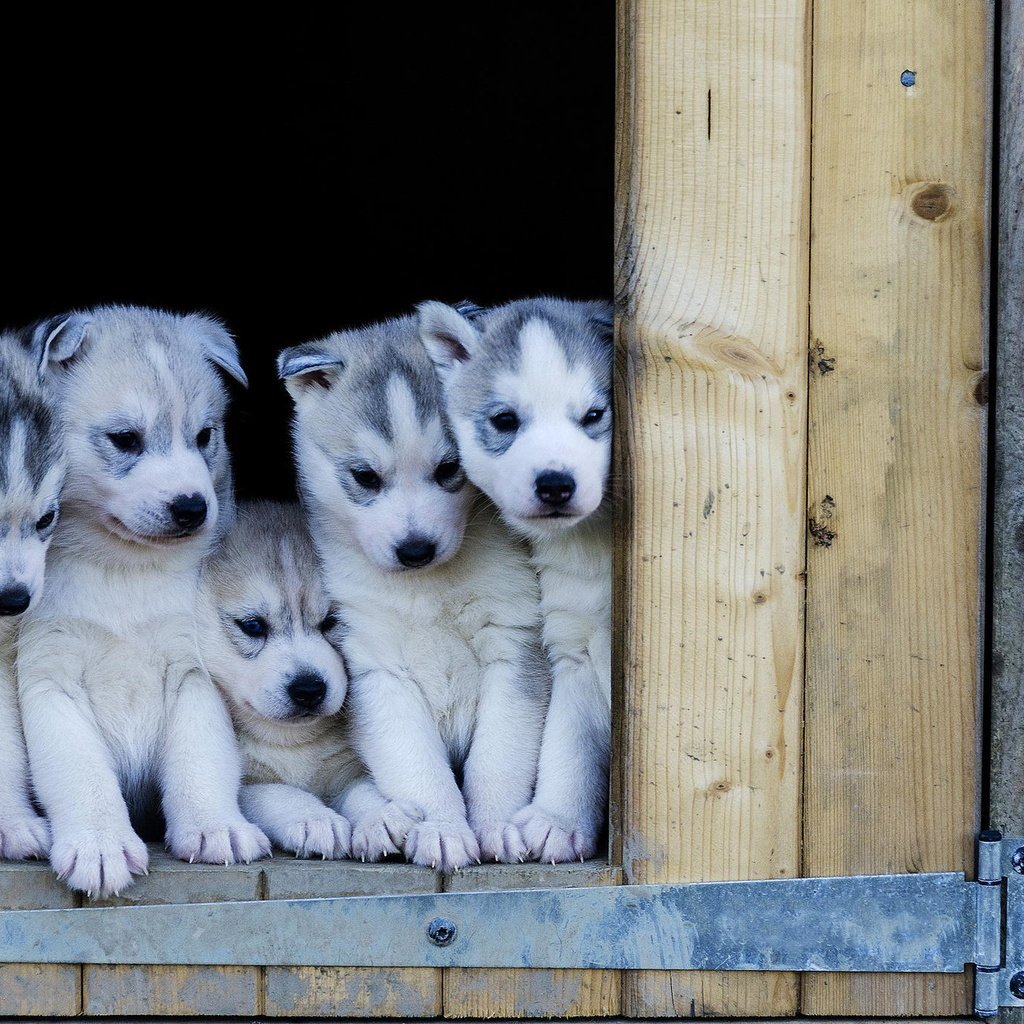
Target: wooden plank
<point>356,992</point>
<point>896,466</point>
<point>177,991</point>
<point>714,108</point>
<point>1006,805</point>
<point>37,990</point>
<point>515,994</point>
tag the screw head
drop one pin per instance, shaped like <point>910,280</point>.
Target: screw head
<point>908,78</point>
<point>1017,985</point>
<point>1017,861</point>
<point>441,931</point>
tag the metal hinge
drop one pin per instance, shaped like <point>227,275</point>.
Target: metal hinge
<point>933,923</point>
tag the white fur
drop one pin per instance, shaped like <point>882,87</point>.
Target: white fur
<point>116,704</point>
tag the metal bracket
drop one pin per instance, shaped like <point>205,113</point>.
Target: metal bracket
<point>879,923</point>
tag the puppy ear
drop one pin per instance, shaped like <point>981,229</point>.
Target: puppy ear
<point>306,367</point>
<point>57,339</point>
<point>219,347</point>
<point>602,316</point>
<point>449,337</point>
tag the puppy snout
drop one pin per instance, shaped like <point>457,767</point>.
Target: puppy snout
<point>554,488</point>
<point>415,552</point>
<point>307,690</point>
<point>14,600</point>
<point>189,511</point>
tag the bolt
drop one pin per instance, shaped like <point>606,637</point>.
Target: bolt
<point>1017,861</point>
<point>441,931</point>
<point>908,78</point>
<point>1017,985</point>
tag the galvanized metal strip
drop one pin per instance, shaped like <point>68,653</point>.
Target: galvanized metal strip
<point>900,923</point>
<point>1011,977</point>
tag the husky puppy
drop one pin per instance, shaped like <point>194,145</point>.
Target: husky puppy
<point>442,620</point>
<point>116,705</point>
<point>528,391</point>
<point>271,641</point>
<point>31,476</point>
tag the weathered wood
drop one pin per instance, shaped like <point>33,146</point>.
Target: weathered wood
<point>177,991</point>
<point>1006,800</point>
<point>714,109</point>
<point>37,990</point>
<point>896,466</point>
<point>349,991</point>
<point>471,992</point>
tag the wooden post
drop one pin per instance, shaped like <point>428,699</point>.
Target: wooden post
<point>712,201</point>
<point>1006,806</point>
<point>896,458</point>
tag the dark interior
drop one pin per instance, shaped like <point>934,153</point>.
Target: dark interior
<point>303,173</point>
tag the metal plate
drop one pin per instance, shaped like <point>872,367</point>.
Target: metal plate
<point>1011,977</point>
<point>868,923</point>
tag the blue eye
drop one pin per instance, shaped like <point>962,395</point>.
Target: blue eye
<point>254,627</point>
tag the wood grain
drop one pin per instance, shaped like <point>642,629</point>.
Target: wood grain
<point>514,994</point>
<point>714,109</point>
<point>349,991</point>
<point>895,475</point>
<point>37,990</point>
<point>174,991</point>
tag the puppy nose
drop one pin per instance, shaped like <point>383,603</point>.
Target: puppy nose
<point>307,690</point>
<point>554,488</point>
<point>189,511</point>
<point>416,552</point>
<point>14,600</point>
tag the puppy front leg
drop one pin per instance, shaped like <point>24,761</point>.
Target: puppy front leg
<point>201,776</point>
<point>22,832</point>
<point>398,739</point>
<point>379,826</point>
<point>94,848</point>
<point>501,768</point>
<point>564,820</point>
<point>296,820</point>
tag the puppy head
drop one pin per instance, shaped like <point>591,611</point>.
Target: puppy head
<point>528,391</point>
<point>271,641</point>
<point>143,410</point>
<point>32,469</point>
<point>375,454</point>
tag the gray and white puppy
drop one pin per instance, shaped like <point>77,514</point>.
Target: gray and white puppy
<point>116,706</point>
<point>31,476</point>
<point>442,618</point>
<point>271,640</point>
<point>528,389</point>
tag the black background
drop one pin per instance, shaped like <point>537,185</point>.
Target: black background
<point>306,172</point>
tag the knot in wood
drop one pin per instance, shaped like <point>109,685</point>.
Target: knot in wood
<point>932,201</point>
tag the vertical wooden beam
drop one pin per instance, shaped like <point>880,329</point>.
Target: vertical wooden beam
<point>1006,803</point>
<point>714,109</point>
<point>896,458</point>
<point>513,994</point>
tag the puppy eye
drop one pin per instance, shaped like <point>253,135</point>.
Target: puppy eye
<point>366,477</point>
<point>45,521</point>
<point>329,622</point>
<point>592,416</point>
<point>447,471</point>
<point>255,627</point>
<point>126,441</point>
<point>505,421</point>
<point>203,437</point>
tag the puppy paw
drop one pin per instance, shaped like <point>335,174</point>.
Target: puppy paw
<point>324,834</point>
<point>235,841</point>
<point>447,845</point>
<point>553,840</point>
<point>99,862</point>
<point>23,834</point>
<point>383,833</point>
<point>501,841</point>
